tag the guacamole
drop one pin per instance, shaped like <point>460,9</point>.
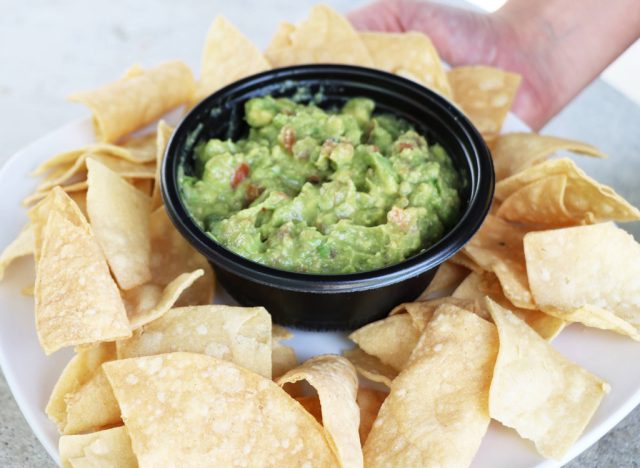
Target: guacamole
<point>323,191</point>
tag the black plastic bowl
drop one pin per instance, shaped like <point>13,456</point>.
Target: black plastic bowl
<point>344,301</point>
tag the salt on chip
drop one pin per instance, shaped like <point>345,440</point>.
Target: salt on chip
<point>448,276</point>
<point>586,200</point>
<point>391,339</point>
<point>163,134</point>
<point>485,95</point>
<point>228,55</point>
<point>21,246</point>
<point>411,55</point>
<point>119,215</point>
<point>477,286</point>
<point>107,448</point>
<point>324,37</point>
<point>138,99</point>
<point>150,301</point>
<point>77,301</point>
<point>437,413</point>
<point>370,367</point>
<point>283,357</point>
<point>241,335</point>
<point>515,152</point>
<point>538,392</point>
<point>186,409</point>
<point>497,247</point>
<point>588,274</point>
<point>336,382</point>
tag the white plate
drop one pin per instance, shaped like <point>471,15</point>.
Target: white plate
<point>31,375</point>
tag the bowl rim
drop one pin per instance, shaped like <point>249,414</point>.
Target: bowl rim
<point>451,242</point>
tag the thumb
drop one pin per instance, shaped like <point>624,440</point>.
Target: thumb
<point>382,15</point>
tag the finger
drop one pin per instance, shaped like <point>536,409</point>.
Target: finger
<point>379,16</point>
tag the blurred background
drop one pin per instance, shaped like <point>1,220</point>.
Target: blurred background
<point>49,49</point>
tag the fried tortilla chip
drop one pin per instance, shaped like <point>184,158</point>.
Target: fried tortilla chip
<point>283,357</point>
<point>370,367</point>
<point>76,299</point>
<point>119,215</point>
<point>582,198</point>
<point>411,55</point>
<point>108,448</point>
<point>477,286</point>
<point>21,246</point>
<point>538,392</point>
<point>587,274</point>
<point>447,278</point>
<point>241,335</point>
<point>163,134</point>
<point>515,152</point>
<point>391,339</point>
<point>177,410</point>
<point>336,382</point>
<point>485,95</point>
<point>82,399</point>
<point>137,99</point>
<point>422,312</point>
<point>438,421</point>
<point>228,55</point>
<point>324,37</point>
<point>497,247</point>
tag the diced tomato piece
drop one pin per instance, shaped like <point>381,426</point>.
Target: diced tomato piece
<point>242,171</point>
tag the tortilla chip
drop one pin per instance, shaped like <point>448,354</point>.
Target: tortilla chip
<point>421,313</point>
<point>228,55</point>
<point>37,196</point>
<point>369,401</point>
<point>497,247</point>
<point>538,392</point>
<point>477,286</point>
<point>515,152</point>
<point>436,413</point>
<point>82,399</point>
<point>587,274</point>
<point>108,448</point>
<point>462,259</point>
<point>283,358</point>
<point>76,299</point>
<point>241,335</point>
<point>177,410</point>
<point>447,278</point>
<point>391,339</point>
<point>149,302</point>
<point>485,95</point>
<point>21,246</point>
<point>324,37</point>
<point>163,134</point>
<point>370,367</point>
<point>136,100</point>
<point>411,55</point>
<point>171,255</point>
<point>119,216</point>
<point>336,382</point>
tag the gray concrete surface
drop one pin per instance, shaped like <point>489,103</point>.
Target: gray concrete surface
<point>51,48</point>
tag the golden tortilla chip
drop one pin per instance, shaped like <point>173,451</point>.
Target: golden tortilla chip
<point>515,152</point>
<point>228,55</point>
<point>497,247</point>
<point>391,339</point>
<point>422,312</point>
<point>38,196</point>
<point>462,259</point>
<point>76,299</point>
<point>477,286</point>
<point>448,276</point>
<point>370,367</point>
<point>119,215</point>
<point>163,134</point>
<point>336,382</point>
<point>436,413</point>
<point>538,392</point>
<point>587,274</point>
<point>103,449</point>
<point>283,357</point>
<point>411,55</point>
<point>82,399</point>
<point>149,302</point>
<point>185,409</point>
<point>485,95</point>
<point>21,246</point>
<point>241,335</point>
<point>324,37</point>
<point>583,198</point>
<point>136,100</point>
